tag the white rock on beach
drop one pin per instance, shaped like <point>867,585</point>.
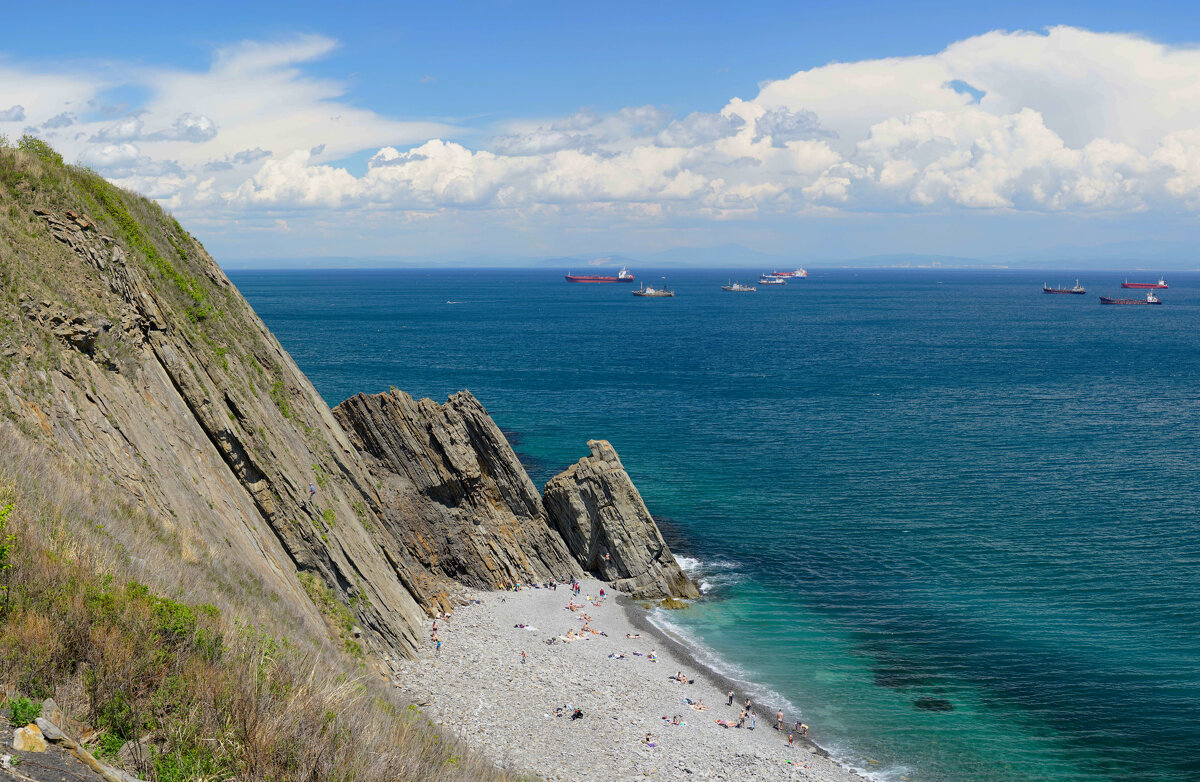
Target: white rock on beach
<point>480,689</point>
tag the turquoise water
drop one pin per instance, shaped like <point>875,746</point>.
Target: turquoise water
<point>953,520</point>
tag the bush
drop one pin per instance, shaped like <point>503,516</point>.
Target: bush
<point>33,145</point>
<point>23,711</point>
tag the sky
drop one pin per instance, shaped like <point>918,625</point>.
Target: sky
<point>506,132</point>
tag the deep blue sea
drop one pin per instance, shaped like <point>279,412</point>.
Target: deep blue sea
<point>952,522</point>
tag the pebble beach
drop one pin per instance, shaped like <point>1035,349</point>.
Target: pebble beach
<point>479,687</point>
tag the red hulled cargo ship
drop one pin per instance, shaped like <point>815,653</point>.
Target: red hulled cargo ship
<point>1160,285</point>
<point>622,276</point>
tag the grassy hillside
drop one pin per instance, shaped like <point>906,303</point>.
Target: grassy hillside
<point>163,575</point>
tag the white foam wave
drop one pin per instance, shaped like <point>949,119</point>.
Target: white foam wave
<point>710,575</point>
<point>710,659</point>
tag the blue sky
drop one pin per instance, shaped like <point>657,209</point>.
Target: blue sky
<point>517,130</point>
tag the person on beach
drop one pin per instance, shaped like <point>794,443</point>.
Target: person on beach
<point>753,720</point>
<point>437,652</point>
<point>789,739</point>
<point>522,657</point>
<point>803,729</point>
<point>779,720</point>
<point>741,720</point>
<point>730,701</point>
<point>652,657</point>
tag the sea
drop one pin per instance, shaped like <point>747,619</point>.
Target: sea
<point>951,523</point>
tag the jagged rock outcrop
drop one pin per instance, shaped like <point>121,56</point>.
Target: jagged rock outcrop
<point>452,490</point>
<point>599,512</point>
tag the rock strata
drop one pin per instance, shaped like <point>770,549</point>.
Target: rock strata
<point>452,490</point>
<point>599,512</point>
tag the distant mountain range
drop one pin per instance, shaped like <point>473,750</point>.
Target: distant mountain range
<point>1151,255</point>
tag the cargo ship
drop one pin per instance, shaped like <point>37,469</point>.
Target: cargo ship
<point>797,273</point>
<point>771,279</point>
<point>1150,299</point>
<point>1078,289</point>
<point>737,287</point>
<point>622,276</point>
<point>1160,285</point>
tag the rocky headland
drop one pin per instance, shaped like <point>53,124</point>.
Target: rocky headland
<point>130,361</point>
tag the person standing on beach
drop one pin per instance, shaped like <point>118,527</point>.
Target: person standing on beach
<point>753,720</point>
<point>522,657</point>
<point>730,701</point>
<point>437,652</point>
<point>747,706</point>
<point>789,739</point>
<point>779,720</point>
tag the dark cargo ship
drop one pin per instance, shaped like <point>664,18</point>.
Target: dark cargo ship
<point>1078,289</point>
<point>622,276</point>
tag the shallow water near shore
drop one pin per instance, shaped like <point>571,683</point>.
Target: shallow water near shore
<point>951,519</point>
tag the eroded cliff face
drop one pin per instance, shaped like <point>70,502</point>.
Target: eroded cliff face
<point>599,512</point>
<point>125,349</point>
<point>452,491</point>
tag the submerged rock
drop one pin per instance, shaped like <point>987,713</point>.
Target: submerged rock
<point>599,512</point>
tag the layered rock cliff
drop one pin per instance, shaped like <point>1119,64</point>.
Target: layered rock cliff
<point>452,490</point>
<point>601,515</point>
<point>125,349</point>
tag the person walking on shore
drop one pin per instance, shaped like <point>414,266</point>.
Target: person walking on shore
<point>779,720</point>
<point>730,701</point>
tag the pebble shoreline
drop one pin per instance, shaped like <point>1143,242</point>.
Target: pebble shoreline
<point>478,688</point>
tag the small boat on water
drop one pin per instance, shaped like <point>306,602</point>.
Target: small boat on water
<point>1160,285</point>
<point>768,279</point>
<point>654,293</point>
<point>1077,289</point>
<point>1150,299</point>
<point>801,273</point>
<point>622,276</point>
<point>737,287</point>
